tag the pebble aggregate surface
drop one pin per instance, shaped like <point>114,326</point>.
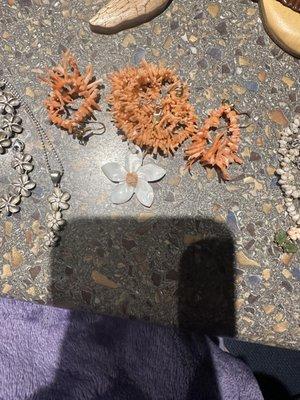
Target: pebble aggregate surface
<point>127,260</point>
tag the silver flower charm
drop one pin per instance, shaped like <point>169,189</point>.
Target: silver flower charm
<point>22,163</point>
<point>51,239</point>
<point>9,204</point>
<point>8,103</point>
<point>11,124</point>
<point>55,221</point>
<point>59,199</point>
<point>4,144</point>
<point>24,186</point>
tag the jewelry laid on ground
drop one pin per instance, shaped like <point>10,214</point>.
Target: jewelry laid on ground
<point>133,179</point>
<point>289,150</point>
<point>10,126</point>
<point>73,97</point>
<point>22,163</point>
<point>221,150</point>
<point>23,186</point>
<point>151,107</point>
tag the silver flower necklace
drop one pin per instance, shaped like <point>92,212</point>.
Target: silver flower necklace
<point>10,126</point>
<point>22,163</point>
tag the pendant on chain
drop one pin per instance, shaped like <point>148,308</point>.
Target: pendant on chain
<point>59,202</point>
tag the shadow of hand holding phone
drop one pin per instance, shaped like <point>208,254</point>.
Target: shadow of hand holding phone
<point>172,272</point>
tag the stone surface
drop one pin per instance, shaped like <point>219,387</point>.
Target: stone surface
<point>130,261</point>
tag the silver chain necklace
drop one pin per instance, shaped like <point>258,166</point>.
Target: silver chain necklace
<point>58,200</point>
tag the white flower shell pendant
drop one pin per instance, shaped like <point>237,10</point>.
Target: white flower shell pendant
<point>133,179</point>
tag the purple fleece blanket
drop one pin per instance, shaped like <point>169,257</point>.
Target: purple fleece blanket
<point>54,354</point>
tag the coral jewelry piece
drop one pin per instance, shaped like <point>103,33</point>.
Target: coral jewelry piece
<point>220,151</point>
<point>151,107</point>
<point>289,150</point>
<point>22,163</point>
<point>73,97</point>
<point>117,15</point>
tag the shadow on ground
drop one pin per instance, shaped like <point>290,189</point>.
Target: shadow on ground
<point>174,272</point>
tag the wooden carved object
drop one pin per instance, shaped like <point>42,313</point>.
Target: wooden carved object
<point>282,22</point>
<point>117,15</point>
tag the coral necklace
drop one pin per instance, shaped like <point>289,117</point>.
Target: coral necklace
<point>58,200</point>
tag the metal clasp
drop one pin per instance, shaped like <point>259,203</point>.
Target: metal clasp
<point>55,177</point>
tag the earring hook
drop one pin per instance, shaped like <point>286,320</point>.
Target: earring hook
<point>84,135</point>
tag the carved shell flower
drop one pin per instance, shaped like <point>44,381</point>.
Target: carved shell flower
<point>4,144</point>
<point>22,163</point>
<point>59,199</point>
<point>24,186</point>
<point>132,179</point>
<point>51,239</point>
<point>9,203</point>
<point>8,103</point>
<point>11,124</point>
<point>55,221</point>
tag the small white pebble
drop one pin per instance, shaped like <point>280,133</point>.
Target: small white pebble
<point>294,128</point>
<point>291,208</point>
<point>282,151</point>
<point>294,152</point>
<point>297,122</point>
<point>288,131</point>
